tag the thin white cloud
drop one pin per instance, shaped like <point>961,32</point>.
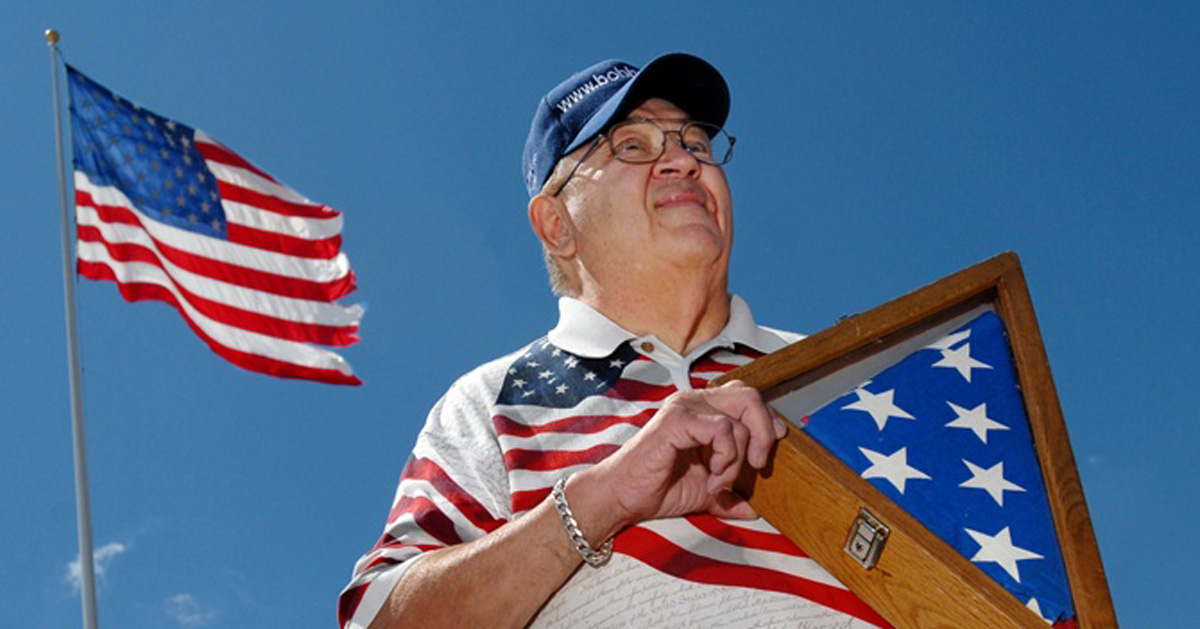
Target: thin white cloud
<point>101,558</point>
<point>183,609</point>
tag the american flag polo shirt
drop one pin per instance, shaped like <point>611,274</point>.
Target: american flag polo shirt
<point>495,444</point>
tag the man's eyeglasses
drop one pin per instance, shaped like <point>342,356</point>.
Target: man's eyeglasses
<point>641,141</point>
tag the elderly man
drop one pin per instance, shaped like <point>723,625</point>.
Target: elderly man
<point>599,443</point>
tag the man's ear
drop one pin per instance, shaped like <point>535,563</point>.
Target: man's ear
<point>548,218</point>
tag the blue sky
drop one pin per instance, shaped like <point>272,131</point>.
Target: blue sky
<point>881,147</point>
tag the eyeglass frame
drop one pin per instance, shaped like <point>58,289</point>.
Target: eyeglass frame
<point>662,150</point>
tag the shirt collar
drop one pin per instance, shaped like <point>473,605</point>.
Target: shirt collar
<point>584,331</point>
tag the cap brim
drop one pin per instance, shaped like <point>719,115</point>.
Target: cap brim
<point>688,82</point>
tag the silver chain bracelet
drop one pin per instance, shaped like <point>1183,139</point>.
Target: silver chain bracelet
<point>593,558</point>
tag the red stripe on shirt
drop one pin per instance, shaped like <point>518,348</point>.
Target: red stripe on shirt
<point>527,499</point>
<point>349,601</point>
<point>583,424</point>
<point>638,391</point>
<point>428,516</point>
<point>427,470</point>
<point>543,460</point>
<point>663,555</point>
<point>746,538</point>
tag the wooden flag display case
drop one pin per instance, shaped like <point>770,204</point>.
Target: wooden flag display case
<point>903,563</point>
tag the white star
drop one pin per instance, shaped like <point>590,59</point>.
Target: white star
<point>560,389</point>
<point>529,393</point>
<point>616,362</point>
<point>975,419</point>
<point>961,360</point>
<point>1000,549</point>
<point>570,362</point>
<point>894,467</point>
<point>518,383</point>
<point>990,480</point>
<point>950,340</point>
<point>531,364</point>
<point>545,374</point>
<point>589,376</point>
<point>879,405</point>
<point>556,353</point>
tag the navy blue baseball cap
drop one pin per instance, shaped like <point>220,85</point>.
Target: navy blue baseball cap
<point>597,97</point>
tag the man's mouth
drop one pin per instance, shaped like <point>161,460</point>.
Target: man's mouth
<point>682,196</point>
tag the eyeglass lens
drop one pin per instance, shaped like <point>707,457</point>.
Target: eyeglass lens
<point>640,141</point>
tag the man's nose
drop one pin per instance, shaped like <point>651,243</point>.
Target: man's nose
<point>675,159</point>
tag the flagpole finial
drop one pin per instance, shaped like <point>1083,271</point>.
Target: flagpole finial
<point>51,37</point>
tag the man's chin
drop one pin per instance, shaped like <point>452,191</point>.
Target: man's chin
<point>695,243</point>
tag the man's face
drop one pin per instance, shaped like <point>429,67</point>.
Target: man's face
<point>671,214</point>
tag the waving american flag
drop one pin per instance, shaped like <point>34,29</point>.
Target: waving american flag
<point>170,214</point>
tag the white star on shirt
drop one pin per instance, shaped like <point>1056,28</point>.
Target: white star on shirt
<point>589,376</point>
<point>878,405</point>
<point>975,419</point>
<point>894,467</point>
<point>545,374</point>
<point>961,360</point>
<point>560,389</point>
<point>518,383</point>
<point>1000,549</point>
<point>990,480</point>
<point>616,362</point>
<point>570,362</point>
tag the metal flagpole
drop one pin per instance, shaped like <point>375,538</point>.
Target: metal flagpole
<point>82,503</point>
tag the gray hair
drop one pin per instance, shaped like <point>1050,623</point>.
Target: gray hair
<point>560,284</point>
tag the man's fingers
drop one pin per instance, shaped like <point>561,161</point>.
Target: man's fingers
<point>745,404</point>
<point>730,441</point>
<point>724,444</point>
